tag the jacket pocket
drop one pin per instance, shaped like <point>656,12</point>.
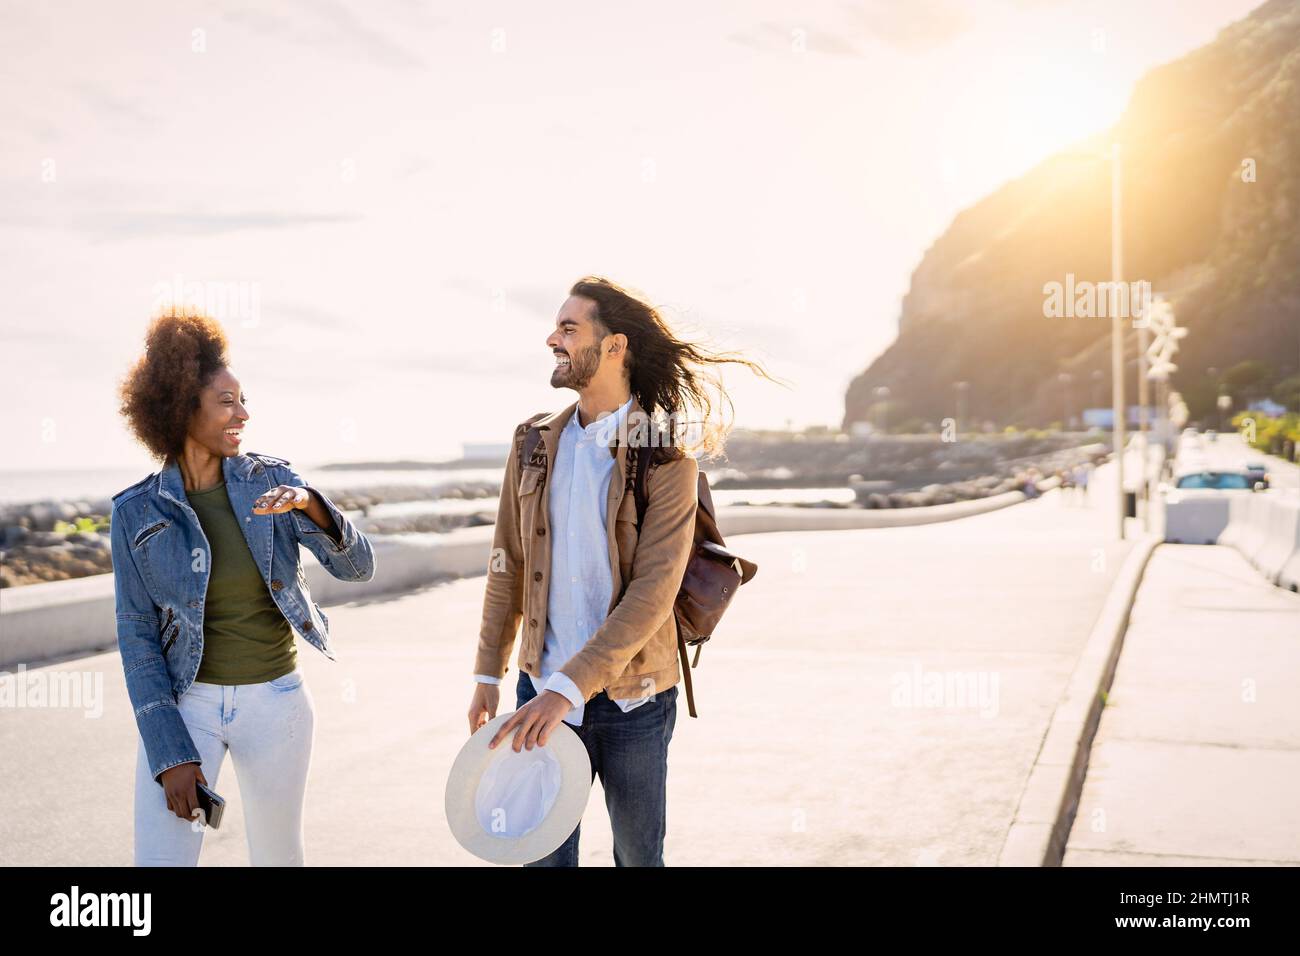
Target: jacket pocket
<point>145,534</point>
<point>529,481</point>
<point>176,629</point>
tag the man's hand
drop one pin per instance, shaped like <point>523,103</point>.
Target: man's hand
<point>483,706</point>
<point>535,721</point>
<point>178,784</point>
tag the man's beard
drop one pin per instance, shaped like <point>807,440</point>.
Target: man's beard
<point>582,369</point>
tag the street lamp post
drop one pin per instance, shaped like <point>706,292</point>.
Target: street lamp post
<point>1213,374</point>
<point>1144,398</point>
<point>1159,363</point>
<point>882,393</point>
<point>1064,378</point>
<point>1116,327</point>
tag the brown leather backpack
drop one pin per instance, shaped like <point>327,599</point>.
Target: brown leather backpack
<point>713,574</point>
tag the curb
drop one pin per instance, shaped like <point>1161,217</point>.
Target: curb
<point>1041,825</point>
<point>766,519</point>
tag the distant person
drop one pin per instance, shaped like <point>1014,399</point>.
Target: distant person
<point>599,646</point>
<point>1082,474</point>
<point>1028,481</point>
<point>209,590</point>
<point>1065,481</point>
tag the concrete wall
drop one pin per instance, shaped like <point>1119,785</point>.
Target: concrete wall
<point>40,622</point>
<point>1265,528</point>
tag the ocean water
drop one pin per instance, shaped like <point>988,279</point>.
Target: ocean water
<point>18,487</point>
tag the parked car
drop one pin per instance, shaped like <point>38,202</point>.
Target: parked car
<point>1196,503</point>
<point>1215,481</point>
<point>1257,472</point>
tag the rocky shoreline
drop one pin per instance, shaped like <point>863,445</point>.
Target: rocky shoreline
<point>57,540</point>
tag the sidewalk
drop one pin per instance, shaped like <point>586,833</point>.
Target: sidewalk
<point>819,740</point>
<point>1197,759</point>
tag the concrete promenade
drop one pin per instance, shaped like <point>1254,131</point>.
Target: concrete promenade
<point>876,697</point>
<point>1197,757</point>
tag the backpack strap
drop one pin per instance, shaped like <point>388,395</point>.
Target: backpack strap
<point>643,456</point>
<point>686,667</point>
<point>532,437</point>
<point>639,485</point>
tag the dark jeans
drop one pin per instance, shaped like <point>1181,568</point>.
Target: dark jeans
<point>630,752</point>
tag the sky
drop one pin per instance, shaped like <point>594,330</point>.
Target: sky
<point>386,202</point>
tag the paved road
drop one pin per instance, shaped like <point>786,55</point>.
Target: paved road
<point>807,750</point>
<point>1197,757</point>
<point>1229,452</point>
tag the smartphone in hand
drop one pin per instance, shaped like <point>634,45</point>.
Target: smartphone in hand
<point>211,802</point>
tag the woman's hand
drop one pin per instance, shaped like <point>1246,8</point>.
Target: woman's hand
<point>280,499</point>
<point>284,498</point>
<point>182,795</point>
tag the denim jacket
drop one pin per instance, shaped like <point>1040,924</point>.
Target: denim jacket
<point>161,565</point>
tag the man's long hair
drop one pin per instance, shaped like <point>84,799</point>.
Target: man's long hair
<point>670,378</point>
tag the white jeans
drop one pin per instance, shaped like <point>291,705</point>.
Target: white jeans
<point>269,729</point>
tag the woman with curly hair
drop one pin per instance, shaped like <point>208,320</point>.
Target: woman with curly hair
<point>210,590</point>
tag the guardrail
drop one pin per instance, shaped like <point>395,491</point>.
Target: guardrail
<point>1265,528</point>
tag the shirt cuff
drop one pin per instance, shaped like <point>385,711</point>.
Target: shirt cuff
<point>485,679</point>
<point>562,685</point>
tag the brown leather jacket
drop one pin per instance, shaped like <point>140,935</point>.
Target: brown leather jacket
<point>634,652</point>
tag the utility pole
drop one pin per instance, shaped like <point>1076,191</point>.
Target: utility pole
<point>1117,328</point>
<point>1144,397</point>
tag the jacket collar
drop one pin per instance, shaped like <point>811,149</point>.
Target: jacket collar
<point>551,426</point>
<point>171,483</point>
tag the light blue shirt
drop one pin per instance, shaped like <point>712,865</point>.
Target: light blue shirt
<point>581,584</point>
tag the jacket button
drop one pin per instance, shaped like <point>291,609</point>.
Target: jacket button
<point>532,622</point>
<point>307,625</point>
<point>537,575</point>
<point>277,584</point>
<point>541,532</point>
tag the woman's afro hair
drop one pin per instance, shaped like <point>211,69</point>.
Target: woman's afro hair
<point>184,348</point>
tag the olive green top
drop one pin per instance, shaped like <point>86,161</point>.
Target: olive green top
<point>246,639</point>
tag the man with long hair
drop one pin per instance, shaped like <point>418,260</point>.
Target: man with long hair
<point>599,648</point>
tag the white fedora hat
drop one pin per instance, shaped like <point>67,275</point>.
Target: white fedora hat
<point>512,808</point>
